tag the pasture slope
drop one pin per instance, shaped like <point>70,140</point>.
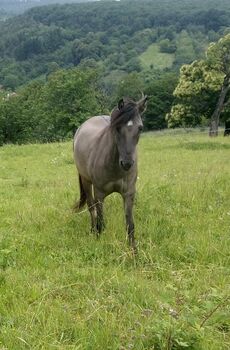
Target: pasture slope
<point>63,289</point>
<point>153,57</point>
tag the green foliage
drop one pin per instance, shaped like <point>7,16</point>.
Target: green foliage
<point>218,55</point>
<point>112,34</point>
<point>183,115</point>
<point>71,96</point>
<point>199,86</point>
<point>130,86</point>
<point>14,7</point>
<point>159,89</point>
<point>160,92</point>
<point>62,288</point>
<point>138,47</point>
<point>12,124</point>
<point>52,110</point>
<point>167,46</point>
<point>185,52</point>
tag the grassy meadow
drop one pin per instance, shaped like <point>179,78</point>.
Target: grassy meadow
<point>61,288</point>
<point>153,56</point>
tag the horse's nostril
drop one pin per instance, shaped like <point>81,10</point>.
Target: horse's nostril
<point>126,165</point>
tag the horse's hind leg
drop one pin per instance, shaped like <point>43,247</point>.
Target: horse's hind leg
<point>99,198</point>
<point>80,204</point>
<point>90,202</point>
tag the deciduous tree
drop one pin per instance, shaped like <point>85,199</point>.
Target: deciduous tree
<point>203,90</point>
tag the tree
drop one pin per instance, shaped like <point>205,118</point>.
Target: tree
<point>160,92</point>
<point>11,121</point>
<point>52,110</point>
<point>218,57</point>
<point>130,86</point>
<point>195,95</point>
<point>11,81</point>
<point>203,89</point>
<point>70,97</point>
<point>167,46</point>
<point>185,52</point>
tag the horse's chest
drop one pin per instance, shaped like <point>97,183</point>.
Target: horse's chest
<point>114,186</point>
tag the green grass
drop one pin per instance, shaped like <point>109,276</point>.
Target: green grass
<point>153,56</point>
<point>61,288</point>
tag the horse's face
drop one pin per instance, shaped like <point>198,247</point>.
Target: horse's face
<point>127,137</point>
<point>128,130</point>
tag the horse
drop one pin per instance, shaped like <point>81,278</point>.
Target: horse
<point>106,159</point>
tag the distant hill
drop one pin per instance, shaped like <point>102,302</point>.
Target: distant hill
<point>13,7</point>
<point>122,36</point>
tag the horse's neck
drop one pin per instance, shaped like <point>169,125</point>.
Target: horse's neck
<point>111,154</point>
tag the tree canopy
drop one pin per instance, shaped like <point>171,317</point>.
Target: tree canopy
<point>52,110</point>
<point>202,93</point>
<point>111,34</point>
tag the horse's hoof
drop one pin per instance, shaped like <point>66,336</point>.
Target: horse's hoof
<point>100,227</point>
<point>134,250</point>
<point>133,247</point>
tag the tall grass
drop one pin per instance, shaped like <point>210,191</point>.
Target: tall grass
<point>61,288</point>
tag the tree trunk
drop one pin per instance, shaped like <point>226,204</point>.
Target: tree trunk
<point>213,131</point>
<point>227,128</point>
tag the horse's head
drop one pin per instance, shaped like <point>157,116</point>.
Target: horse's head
<point>127,125</point>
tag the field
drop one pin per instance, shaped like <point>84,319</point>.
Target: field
<point>61,288</point>
<point>153,56</point>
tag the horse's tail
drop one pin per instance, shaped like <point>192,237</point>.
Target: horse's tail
<point>80,204</point>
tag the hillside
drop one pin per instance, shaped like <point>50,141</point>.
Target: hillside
<point>109,35</point>
<point>14,7</point>
<point>152,57</point>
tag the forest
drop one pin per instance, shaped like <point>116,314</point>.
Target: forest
<point>14,7</point>
<point>127,47</point>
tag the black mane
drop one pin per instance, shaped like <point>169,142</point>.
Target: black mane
<point>122,116</point>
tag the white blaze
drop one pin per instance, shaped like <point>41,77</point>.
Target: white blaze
<point>130,123</point>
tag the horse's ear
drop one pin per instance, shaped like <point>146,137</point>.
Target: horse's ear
<point>142,104</point>
<point>121,104</point>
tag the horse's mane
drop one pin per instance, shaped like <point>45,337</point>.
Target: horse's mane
<point>123,115</point>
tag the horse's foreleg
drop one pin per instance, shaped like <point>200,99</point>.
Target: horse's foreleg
<point>99,198</point>
<point>128,203</point>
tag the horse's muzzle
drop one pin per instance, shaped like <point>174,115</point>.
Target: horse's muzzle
<point>126,165</point>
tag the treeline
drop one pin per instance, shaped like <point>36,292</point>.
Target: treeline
<point>15,7</point>
<point>53,110</point>
<point>50,111</point>
<point>106,35</point>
